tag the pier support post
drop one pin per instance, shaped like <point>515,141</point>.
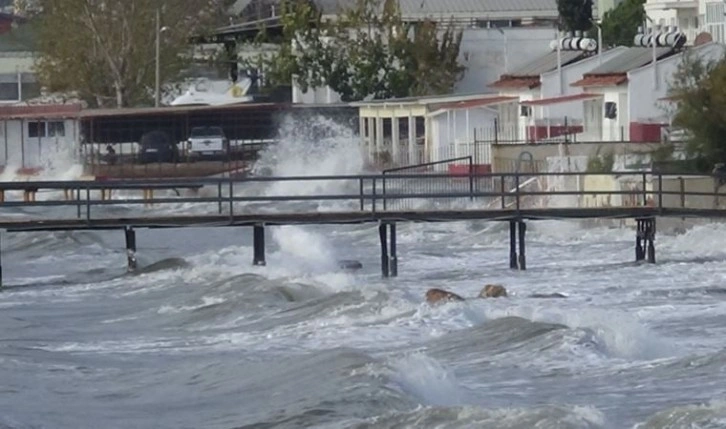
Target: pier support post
<point>522,255</point>
<point>389,250</point>
<point>131,249</point>
<point>512,244</point>
<point>639,235</point>
<point>645,240</point>
<point>394,252</point>
<point>258,244</point>
<point>382,234</point>
<point>1,263</point>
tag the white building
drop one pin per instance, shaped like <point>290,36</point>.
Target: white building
<point>409,131</point>
<point>702,21</point>
<point>525,84</point>
<point>496,35</point>
<point>625,93</point>
<point>712,19</point>
<point>32,137</point>
<point>17,58</point>
<point>683,14</point>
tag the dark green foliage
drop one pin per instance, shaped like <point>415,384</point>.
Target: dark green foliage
<point>575,14</point>
<point>620,25</point>
<point>699,90</point>
<point>369,51</point>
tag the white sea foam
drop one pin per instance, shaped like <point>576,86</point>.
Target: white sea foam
<point>427,379</point>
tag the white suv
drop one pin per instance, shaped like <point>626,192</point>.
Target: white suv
<point>207,142</point>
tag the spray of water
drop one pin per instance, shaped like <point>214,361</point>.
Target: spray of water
<point>312,146</point>
<point>56,161</point>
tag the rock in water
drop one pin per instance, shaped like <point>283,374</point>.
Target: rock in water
<point>434,296</point>
<point>493,291</point>
<point>350,265</point>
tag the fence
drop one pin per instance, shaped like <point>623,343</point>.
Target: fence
<point>450,179</point>
<point>345,198</point>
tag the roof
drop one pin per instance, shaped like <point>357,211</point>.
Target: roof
<point>171,110</point>
<point>19,39</point>
<point>561,99</point>
<point>477,102</point>
<point>630,59</point>
<point>449,7</point>
<point>424,100</point>
<point>612,79</point>
<point>42,111</point>
<point>528,76</point>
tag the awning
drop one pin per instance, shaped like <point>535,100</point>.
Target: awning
<point>471,104</point>
<point>561,99</point>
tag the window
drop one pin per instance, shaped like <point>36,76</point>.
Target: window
<point>56,129</point>
<point>9,87</point>
<point>36,129</point>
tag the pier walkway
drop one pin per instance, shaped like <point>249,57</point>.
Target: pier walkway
<point>384,199</point>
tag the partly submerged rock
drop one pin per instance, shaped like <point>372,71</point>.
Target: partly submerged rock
<point>548,295</point>
<point>350,265</point>
<point>493,291</point>
<point>434,296</point>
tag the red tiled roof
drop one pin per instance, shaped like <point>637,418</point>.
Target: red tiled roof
<point>478,102</point>
<point>40,111</point>
<point>560,99</point>
<point>601,80</point>
<point>516,82</point>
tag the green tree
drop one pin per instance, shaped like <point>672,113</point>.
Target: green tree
<point>575,15</point>
<point>105,51</point>
<point>699,90</point>
<point>368,51</point>
<point>620,25</point>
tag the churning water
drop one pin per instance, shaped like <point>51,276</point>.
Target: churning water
<point>199,338</point>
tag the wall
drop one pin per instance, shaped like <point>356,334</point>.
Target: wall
<point>323,95</point>
<point>483,54</point>
<point>451,127</point>
<point>505,155</point>
<point>643,102</point>
<point>617,129</point>
<point>571,73</point>
<point>19,149</point>
<point>600,183</point>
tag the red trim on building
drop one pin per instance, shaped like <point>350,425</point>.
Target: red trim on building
<point>602,80</point>
<point>508,81</point>
<point>40,111</point>
<point>560,99</point>
<point>478,102</point>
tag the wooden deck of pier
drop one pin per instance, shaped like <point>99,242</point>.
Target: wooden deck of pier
<point>379,199</point>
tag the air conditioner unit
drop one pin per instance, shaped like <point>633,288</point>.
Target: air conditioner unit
<point>525,110</point>
<point>611,110</point>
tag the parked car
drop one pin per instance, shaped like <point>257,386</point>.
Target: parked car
<point>207,142</point>
<point>157,146</point>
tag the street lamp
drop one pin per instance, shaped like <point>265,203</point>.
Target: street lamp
<point>506,54</point>
<point>157,85</point>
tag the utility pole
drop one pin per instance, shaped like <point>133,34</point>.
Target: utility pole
<point>157,95</point>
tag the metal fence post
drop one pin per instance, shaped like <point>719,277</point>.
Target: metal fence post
<point>502,190</point>
<point>219,196</point>
<point>660,191</point>
<point>88,202</point>
<point>645,191</point>
<point>373,197</point>
<point>516,182</point>
<point>384,191</point>
<point>471,178</point>
<point>231,199</point>
<point>362,198</point>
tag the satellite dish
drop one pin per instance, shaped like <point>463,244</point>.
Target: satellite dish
<point>703,38</point>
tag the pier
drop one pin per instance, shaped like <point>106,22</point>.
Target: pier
<point>382,199</point>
